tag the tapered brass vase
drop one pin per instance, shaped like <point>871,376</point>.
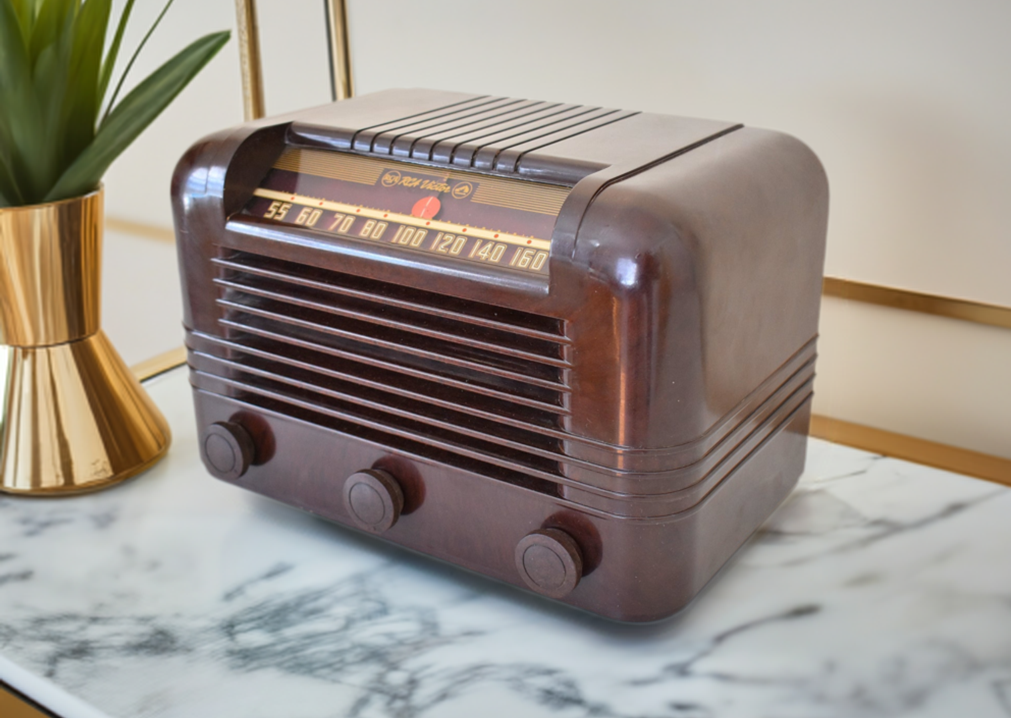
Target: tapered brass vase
<point>75,418</point>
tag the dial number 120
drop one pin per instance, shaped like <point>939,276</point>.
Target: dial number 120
<point>448,243</point>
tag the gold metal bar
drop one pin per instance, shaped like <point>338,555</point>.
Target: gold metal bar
<point>159,364</point>
<point>14,705</point>
<point>910,448</point>
<point>934,304</point>
<point>340,50</point>
<point>139,229</point>
<point>867,438</point>
<point>990,314</point>
<point>249,59</point>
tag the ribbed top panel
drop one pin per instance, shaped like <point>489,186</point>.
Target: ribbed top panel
<point>484,133</point>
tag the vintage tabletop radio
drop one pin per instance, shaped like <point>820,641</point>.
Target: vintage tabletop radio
<point>567,347</point>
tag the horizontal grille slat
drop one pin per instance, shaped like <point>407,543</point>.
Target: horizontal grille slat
<point>545,401</point>
<point>244,316</point>
<point>485,339</point>
<point>467,380</point>
<point>355,344</point>
<point>310,415</point>
<point>405,429</point>
<point>509,320</point>
<point>497,381</point>
<point>394,411</point>
<point>500,408</point>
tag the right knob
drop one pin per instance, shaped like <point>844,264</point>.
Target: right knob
<point>550,562</point>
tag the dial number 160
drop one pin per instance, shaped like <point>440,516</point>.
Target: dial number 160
<point>529,259</point>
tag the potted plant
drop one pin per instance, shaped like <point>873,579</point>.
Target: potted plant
<point>73,416</point>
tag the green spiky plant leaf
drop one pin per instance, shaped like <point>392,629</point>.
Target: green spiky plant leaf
<point>55,71</point>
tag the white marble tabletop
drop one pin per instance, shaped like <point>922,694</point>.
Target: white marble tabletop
<point>880,588</point>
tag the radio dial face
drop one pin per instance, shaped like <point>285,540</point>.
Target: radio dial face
<point>502,224</point>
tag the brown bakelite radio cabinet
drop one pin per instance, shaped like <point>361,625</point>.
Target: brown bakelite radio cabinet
<point>567,347</point>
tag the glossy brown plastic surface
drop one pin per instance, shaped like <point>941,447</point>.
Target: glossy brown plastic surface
<point>649,397</point>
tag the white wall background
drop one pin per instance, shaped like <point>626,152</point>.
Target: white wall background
<point>906,102</point>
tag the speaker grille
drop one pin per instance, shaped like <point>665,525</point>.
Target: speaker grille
<point>447,378</point>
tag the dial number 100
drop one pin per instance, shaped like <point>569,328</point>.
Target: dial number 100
<point>409,236</point>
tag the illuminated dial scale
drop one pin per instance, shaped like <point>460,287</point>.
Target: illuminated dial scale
<point>462,216</point>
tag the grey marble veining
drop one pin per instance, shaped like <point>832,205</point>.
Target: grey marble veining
<point>880,588</point>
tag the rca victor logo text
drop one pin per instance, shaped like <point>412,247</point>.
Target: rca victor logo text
<point>395,178</point>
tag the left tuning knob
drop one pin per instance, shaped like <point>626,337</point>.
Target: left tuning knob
<point>227,450</point>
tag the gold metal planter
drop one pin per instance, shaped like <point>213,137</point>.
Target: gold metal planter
<point>74,417</point>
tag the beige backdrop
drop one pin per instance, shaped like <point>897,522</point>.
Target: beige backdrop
<point>905,101</point>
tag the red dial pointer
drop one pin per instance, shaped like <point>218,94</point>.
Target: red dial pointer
<point>426,208</point>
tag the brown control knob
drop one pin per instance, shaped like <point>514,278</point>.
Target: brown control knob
<point>550,562</point>
<point>374,499</point>
<point>228,450</point>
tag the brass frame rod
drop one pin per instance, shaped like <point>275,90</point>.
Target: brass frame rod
<point>341,77</point>
<point>922,451</point>
<point>159,364</point>
<point>249,59</point>
<point>889,443</point>
<point>966,310</point>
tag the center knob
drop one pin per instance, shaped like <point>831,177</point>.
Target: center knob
<point>374,499</point>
